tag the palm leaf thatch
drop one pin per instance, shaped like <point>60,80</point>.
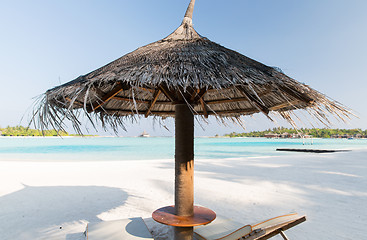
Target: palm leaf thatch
<point>181,68</point>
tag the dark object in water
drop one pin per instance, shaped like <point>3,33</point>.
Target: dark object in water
<point>310,150</point>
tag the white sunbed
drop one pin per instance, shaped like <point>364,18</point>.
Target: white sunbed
<point>225,229</point>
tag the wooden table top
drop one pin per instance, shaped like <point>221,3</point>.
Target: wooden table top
<point>166,215</point>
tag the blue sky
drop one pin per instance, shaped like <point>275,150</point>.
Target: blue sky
<point>321,43</point>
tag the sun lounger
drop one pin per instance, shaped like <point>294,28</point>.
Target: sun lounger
<point>224,229</point>
<point>132,229</point>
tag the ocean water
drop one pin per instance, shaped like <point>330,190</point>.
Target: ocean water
<point>134,148</point>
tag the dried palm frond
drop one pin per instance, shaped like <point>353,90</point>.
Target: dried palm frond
<point>181,68</point>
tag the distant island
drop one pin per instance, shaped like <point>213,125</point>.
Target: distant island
<point>303,132</point>
<point>20,131</point>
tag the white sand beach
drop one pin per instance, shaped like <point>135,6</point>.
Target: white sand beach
<point>56,200</point>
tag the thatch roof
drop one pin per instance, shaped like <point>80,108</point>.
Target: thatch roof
<point>182,68</point>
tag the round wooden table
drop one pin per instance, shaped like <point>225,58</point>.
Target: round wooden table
<point>166,215</point>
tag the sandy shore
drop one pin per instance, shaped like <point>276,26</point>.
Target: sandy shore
<point>55,200</point>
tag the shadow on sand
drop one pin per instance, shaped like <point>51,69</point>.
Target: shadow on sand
<point>36,211</point>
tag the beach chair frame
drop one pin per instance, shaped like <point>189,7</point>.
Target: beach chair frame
<point>260,231</point>
<point>271,231</point>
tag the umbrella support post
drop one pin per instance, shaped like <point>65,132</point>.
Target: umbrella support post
<point>184,233</point>
<point>184,168</point>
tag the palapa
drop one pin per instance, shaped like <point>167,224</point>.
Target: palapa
<point>182,75</point>
<point>182,68</point>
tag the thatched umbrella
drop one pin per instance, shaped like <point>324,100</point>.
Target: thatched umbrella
<point>181,76</point>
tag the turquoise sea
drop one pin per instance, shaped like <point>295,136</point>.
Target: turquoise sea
<point>134,148</point>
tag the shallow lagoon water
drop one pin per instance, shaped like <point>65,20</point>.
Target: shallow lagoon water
<point>135,148</point>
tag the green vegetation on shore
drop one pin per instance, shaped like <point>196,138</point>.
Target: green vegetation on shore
<point>314,132</point>
<point>23,131</point>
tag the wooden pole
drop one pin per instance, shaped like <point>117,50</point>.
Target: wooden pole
<point>184,168</point>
